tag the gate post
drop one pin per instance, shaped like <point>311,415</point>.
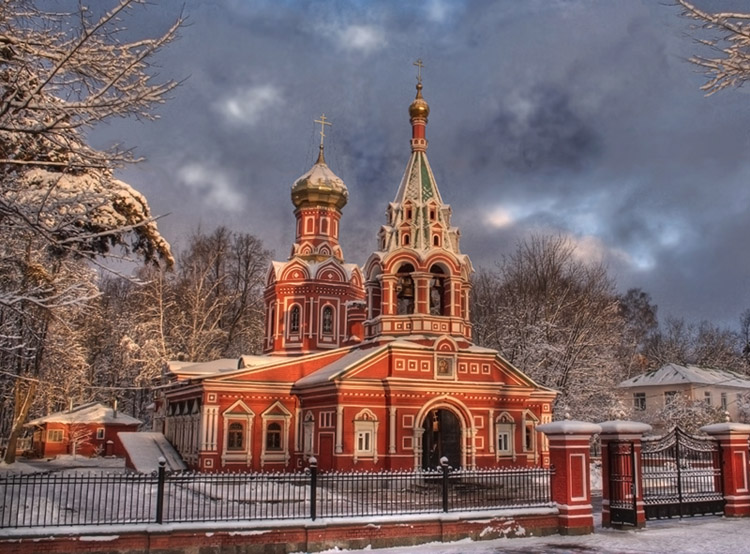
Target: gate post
<point>570,455</point>
<point>733,450</point>
<point>624,435</point>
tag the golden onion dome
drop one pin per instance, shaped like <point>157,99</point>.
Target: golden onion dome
<point>319,186</point>
<point>419,108</point>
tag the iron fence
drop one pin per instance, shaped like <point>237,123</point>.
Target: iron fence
<point>45,500</point>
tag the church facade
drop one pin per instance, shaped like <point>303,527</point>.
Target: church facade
<point>363,368</point>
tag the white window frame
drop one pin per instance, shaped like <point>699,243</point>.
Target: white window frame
<point>52,435</point>
<point>365,436</point>
<point>505,426</point>
<point>238,412</point>
<point>639,401</point>
<point>276,413</point>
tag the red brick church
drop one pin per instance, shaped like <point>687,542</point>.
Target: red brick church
<point>363,368</point>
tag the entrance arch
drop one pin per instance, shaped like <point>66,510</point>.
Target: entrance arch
<point>441,437</point>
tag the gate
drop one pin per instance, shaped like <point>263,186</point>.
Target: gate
<point>681,476</point>
<point>622,497</point>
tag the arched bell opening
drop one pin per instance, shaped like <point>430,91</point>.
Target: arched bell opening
<point>405,291</point>
<point>439,291</point>
<point>441,438</point>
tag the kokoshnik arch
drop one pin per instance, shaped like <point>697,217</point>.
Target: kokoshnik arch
<point>367,368</point>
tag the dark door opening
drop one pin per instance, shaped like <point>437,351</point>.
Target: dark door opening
<point>442,437</point>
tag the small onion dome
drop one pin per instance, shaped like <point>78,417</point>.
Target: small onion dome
<point>319,186</point>
<point>419,108</point>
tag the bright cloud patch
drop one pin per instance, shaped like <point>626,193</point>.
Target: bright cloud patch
<point>499,218</point>
<point>213,186</point>
<point>247,106</point>
<point>365,38</point>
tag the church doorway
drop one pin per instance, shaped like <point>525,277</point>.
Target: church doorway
<point>441,437</point>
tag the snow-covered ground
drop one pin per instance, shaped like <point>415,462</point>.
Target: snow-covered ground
<point>700,535</point>
<point>64,463</point>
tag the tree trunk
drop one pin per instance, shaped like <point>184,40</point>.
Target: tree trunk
<point>24,394</point>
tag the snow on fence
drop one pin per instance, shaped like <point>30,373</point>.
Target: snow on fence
<point>40,500</point>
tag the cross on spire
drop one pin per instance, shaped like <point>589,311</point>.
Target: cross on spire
<point>323,122</point>
<point>419,65</point>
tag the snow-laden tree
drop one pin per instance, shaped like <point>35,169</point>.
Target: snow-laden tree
<point>557,318</point>
<point>219,296</point>
<point>60,204</point>
<point>686,413</point>
<point>703,344</point>
<point>726,38</point>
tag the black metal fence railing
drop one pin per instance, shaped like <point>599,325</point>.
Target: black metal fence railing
<point>47,500</point>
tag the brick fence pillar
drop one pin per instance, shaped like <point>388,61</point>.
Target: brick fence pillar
<point>569,450</point>
<point>617,436</point>
<point>732,439</point>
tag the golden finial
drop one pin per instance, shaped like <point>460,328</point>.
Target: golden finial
<point>323,122</point>
<point>419,107</point>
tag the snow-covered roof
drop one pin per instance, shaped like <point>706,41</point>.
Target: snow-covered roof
<point>200,369</point>
<point>94,412</point>
<point>340,366</point>
<point>145,449</point>
<point>673,374</point>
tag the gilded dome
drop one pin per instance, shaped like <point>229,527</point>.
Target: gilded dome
<point>419,108</point>
<point>320,185</point>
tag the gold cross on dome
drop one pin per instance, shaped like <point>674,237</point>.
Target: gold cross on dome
<point>419,65</point>
<point>323,122</point>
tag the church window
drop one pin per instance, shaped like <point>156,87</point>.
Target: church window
<point>273,437</point>
<point>294,317</point>
<point>529,432</point>
<point>324,225</point>
<point>328,320</point>
<point>436,240</point>
<point>235,437</point>
<point>405,290</point>
<point>365,435</point>
<point>405,239</point>
<point>504,433</point>
<point>432,214</point>
<point>408,213</point>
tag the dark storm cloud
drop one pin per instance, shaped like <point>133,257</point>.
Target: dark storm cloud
<point>541,132</point>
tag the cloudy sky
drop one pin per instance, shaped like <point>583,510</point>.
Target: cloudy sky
<point>579,117</point>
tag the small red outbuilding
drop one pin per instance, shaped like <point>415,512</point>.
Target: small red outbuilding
<point>87,430</point>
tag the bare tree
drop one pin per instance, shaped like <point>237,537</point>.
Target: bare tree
<point>556,318</point>
<point>61,74</point>
<point>704,344</point>
<point>727,39</point>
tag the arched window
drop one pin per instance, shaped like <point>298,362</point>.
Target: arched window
<point>235,437</point>
<point>436,240</point>
<point>405,239</point>
<point>273,436</point>
<point>504,432</point>
<point>437,291</point>
<point>328,320</point>
<point>405,290</point>
<point>294,317</point>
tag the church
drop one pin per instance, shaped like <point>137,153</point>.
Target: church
<point>363,368</point>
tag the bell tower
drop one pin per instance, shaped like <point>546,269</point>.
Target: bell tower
<point>417,282</point>
<point>314,301</point>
